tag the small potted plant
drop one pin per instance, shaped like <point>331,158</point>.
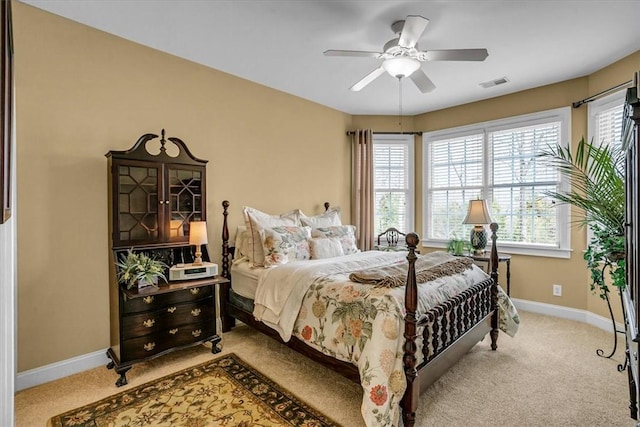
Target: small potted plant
<point>139,269</point>
<point>458,246</point>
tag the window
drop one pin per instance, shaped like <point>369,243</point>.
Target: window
<point>605,124</point>
<point>498,161</point>
<point>605,118</point>
<point>393,182</point>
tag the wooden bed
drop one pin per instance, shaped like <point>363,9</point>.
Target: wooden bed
<point>451,329</point>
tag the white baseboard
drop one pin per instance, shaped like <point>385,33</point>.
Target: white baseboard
<point>77,364</point>
<point>583,316</point>
<point>64,368</point>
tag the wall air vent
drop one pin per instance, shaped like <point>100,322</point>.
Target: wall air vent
<point>496,82</point>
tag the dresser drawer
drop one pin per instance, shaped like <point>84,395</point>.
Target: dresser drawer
<point>157,301</point>
<point>149,345</point>
<point>136,325</point>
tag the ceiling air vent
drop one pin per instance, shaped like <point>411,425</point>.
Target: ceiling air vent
<point>496,82</point>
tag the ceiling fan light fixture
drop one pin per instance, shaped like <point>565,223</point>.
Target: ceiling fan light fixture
<point>400,66</point>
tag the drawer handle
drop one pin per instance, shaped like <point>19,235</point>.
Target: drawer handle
<point>195,291</point>
<point>196,312</point>
<point>196,333</point>
<point>173,331</point>
<point>171,309</point>
<point>149,322</point>
<point>148,299</point>
<point>150,346</point>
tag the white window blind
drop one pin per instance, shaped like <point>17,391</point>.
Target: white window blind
<point>605,124</point>
<point>610,125</point>
<point>456,177</point>
<point>497,161</point>
<point>605,119</point>
<point>393,182</point>
<point>519,180</point>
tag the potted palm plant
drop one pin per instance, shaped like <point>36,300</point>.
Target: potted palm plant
<point>596,172</point>
<point>139,269</point>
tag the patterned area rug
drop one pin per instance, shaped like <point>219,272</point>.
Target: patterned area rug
<point>222,392</point>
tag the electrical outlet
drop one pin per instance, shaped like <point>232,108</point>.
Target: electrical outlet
<point>557,290</point>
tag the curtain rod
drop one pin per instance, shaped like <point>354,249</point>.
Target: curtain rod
<point>577,104</point>
<point>419,133</point>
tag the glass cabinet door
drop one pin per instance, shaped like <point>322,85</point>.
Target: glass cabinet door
<point>186,199</point>
<point>137,213</point>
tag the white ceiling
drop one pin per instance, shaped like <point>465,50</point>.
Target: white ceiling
<point>280,43</point>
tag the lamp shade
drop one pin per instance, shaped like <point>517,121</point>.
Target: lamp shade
<point>400,66</point>
<point>198,233</point>
<point>478,213</point>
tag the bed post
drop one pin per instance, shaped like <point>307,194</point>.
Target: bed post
<point>494,286</point>
<point>228,322</point>
<point>412,393</point>
<point>225,240</point>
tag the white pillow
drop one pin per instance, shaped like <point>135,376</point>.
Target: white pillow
<point>241,242</point>
<point>326,219</point>
<point>285,244</point>
<point>325,247</point>
<point>256,220</point>
<point>345,233</point>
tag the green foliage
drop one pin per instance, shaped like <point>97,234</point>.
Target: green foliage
<point>458,246</point>
<point>596,172</point>
<point>136,266</point>
<point>605,252</point>
<point>597,175</point>
<point>389,212</point>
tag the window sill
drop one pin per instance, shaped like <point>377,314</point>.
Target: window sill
<point>512,249</point>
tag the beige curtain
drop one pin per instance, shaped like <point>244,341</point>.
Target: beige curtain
<point>362,187</point>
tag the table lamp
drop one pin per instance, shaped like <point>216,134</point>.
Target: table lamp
<point>198,237</point>
<point>478,215</point>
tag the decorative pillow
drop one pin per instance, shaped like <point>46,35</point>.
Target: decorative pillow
<point>285,244</point>
<point>327,219</point>
<point>241,242</point>
<point>325,247</point>
<point>255,221</point>
<point>345,233</point>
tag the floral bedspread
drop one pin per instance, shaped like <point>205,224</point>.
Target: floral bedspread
<point>358,323</point>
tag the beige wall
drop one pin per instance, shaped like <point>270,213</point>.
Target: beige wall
<point>81,93</point>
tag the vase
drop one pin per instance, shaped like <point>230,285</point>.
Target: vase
<point>144,285</point>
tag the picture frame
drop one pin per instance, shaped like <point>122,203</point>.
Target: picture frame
<point>6,109</point>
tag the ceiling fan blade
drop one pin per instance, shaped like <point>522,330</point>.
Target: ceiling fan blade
<point>454,55</point>
<point>360,53</point>
<point>421,80</point>
<point>412,30</point>
<point>367,79</point>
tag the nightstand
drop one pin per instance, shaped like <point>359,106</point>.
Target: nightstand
<point>501,258</point>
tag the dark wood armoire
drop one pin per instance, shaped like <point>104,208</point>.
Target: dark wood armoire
<point>631,293</point>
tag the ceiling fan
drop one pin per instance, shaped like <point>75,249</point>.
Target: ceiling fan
<point>402,57</point>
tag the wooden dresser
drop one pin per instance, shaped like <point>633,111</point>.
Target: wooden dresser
<point>153,198</point>
<point>153,323</point>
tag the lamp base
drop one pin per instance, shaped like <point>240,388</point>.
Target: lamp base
<point>478,239</point>
<point>198,258</point>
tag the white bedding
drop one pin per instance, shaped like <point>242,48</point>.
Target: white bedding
<point>280,290</point>
<point>245,279</point>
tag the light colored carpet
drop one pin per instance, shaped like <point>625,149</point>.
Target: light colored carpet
<point>548,375</point>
